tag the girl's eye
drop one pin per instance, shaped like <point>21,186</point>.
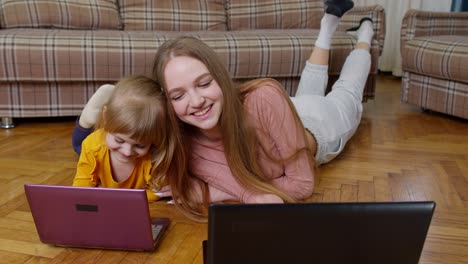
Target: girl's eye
<point>205,84</point>
<point>118,140</point>
<point>140,146</point>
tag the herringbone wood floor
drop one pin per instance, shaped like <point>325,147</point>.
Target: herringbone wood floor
<point>399,153</point>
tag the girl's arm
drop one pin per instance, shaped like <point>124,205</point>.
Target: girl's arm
<point>222,185</point>
<point>281,135</point>
<point>85,169</point>
<point>211,167</point>
<point>84,176</point>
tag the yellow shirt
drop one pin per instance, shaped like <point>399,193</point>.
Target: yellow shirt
<point>94,168</point>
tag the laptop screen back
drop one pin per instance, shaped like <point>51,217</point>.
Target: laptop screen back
<point>91,217</point>
<point>318,233</point>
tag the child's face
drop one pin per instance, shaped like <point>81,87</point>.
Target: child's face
<point>196,97</point>
<point>124,148</point>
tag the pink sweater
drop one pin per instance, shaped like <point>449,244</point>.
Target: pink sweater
<point>278,133</point>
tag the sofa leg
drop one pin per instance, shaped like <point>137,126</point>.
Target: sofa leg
<point>6,122</point>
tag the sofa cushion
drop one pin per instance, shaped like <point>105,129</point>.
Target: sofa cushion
<point>443,57</point>
<point>65,14</point>
<point>173,15</point>
<point>273,14</point>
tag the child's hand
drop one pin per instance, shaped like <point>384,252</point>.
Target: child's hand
<point>165,191</point>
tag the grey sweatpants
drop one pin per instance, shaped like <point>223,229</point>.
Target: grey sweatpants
<point>333,118</point>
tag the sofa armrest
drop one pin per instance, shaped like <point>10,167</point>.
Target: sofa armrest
<point>418,23</point>
<point>375,12</point>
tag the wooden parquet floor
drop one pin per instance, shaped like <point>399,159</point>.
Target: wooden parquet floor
<point>399,153</point>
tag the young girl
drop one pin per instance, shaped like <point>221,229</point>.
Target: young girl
<point>253,144</point>
<point>130,148</point>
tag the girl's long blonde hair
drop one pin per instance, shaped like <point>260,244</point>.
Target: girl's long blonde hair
<point>238,134</point>
<point>137,108</point>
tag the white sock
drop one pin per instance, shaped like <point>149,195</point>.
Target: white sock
<point>328,26</point>
<point>364,33</point>
<point>93,108</point>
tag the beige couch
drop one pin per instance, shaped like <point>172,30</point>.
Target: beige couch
<point>434,50</point>
<point>55,53</point>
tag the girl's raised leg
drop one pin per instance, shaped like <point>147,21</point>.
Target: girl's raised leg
<point>90,114</point>
<point>314,78</point>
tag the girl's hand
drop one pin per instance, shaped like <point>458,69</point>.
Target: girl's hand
<point>264,199</point>
<point>217,195</point>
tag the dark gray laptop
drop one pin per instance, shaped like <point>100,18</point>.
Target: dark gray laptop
<point>94,217</point>
<point>322,233</point>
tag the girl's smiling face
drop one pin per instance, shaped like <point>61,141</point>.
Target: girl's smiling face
<point>195,96</point>
<point>125,149</point>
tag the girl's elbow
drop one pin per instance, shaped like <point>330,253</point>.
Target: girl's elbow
<point>304,193</point>
<point>303,190</point>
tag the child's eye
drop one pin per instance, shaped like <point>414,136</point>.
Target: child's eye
<point>118,140</point>
<point>177,97</point>
<point>140,146</point>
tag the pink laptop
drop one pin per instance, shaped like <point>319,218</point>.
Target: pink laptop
<point>94,217</point>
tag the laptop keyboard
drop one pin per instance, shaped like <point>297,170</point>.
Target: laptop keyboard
<point>156,229</point>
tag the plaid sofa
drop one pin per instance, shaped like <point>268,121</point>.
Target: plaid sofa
<point>434,50</point>
<point>56,53</point>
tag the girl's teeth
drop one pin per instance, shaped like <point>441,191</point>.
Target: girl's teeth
<point>200,113</point>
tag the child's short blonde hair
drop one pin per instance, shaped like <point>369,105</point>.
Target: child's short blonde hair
<point>136,108</point>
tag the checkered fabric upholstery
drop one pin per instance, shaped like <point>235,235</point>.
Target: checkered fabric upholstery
<point>434,49</point>
<point>273,14</point>
<point>173,15</point>
<point>69,14</point>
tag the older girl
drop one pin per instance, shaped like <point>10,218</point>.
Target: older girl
<point>253,143</point>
